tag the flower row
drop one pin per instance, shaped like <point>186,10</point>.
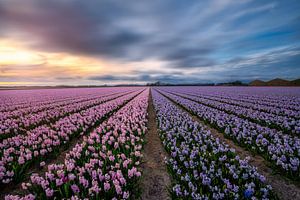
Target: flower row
<point>20,99</point>
<point>281,149</point>
<point>104,166</point>
<point>24,123</point>
<point>46,105</point>
<point>282,123</point>
<point>201,166</point>
<point>271,97</point>
<point>19,152</point>
<point>233,100</point>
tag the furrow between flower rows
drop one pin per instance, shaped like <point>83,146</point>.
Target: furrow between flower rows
<point>20,152</point>
<point>281,109</point>
<point>282,150</point>
<point>239,102</point>
<point>11,127</point>
<point>203,167</point>
<point>104,166</point>
<point>35,108</point>
<point>21,99</point>
<point>281,98</point>
<point>277,97</point>
<point>285,124</point>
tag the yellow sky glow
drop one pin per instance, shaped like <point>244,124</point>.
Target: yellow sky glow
<point>16,60</point>
<point>21,65</point>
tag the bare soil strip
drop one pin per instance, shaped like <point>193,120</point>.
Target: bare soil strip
<point>284,188</point>
<point>156,180</point>
<point>17,189</point>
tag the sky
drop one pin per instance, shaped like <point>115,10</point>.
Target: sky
<point>91,42</point>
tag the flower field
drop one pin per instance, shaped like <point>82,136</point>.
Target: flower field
<point>88,143</point>
<point>280,148</point>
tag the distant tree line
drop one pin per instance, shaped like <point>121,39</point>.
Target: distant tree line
<point>234,83</point>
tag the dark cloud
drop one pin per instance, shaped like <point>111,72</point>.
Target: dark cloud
<point>220,35</point>
<point>156,72</point>
<point>166,78</point>
<point>193,62</point>
<point>70,27</point>
<point>114,78</point>
<point>109,78</point>
<point>192,57</point>
<point>269,58</point>
<point>107,29</point>
<point>68,78</point>
<point>182,53</point>
<point>283,63</point>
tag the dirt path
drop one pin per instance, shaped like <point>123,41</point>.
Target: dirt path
<point>284,188</point>
<point>155,176</point>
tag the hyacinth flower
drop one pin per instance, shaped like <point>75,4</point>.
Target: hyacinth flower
<point>56,102</point>
<point>280,149</point>
<point>279,105</point>
<point>24,123</point>
<point>256,106</point>
<point>201,166</point>
<point>29,101</point>
<point>277,98</point>
<point>21,151</point>
<point>104,166</point>
<point>286,124</point>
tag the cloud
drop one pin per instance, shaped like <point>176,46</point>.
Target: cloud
<point>143,78</point>
<point>68,78</point>
<point>268,64</point>
<point>70,27</point>
<point>206,38</point>
<point>264,58</point>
